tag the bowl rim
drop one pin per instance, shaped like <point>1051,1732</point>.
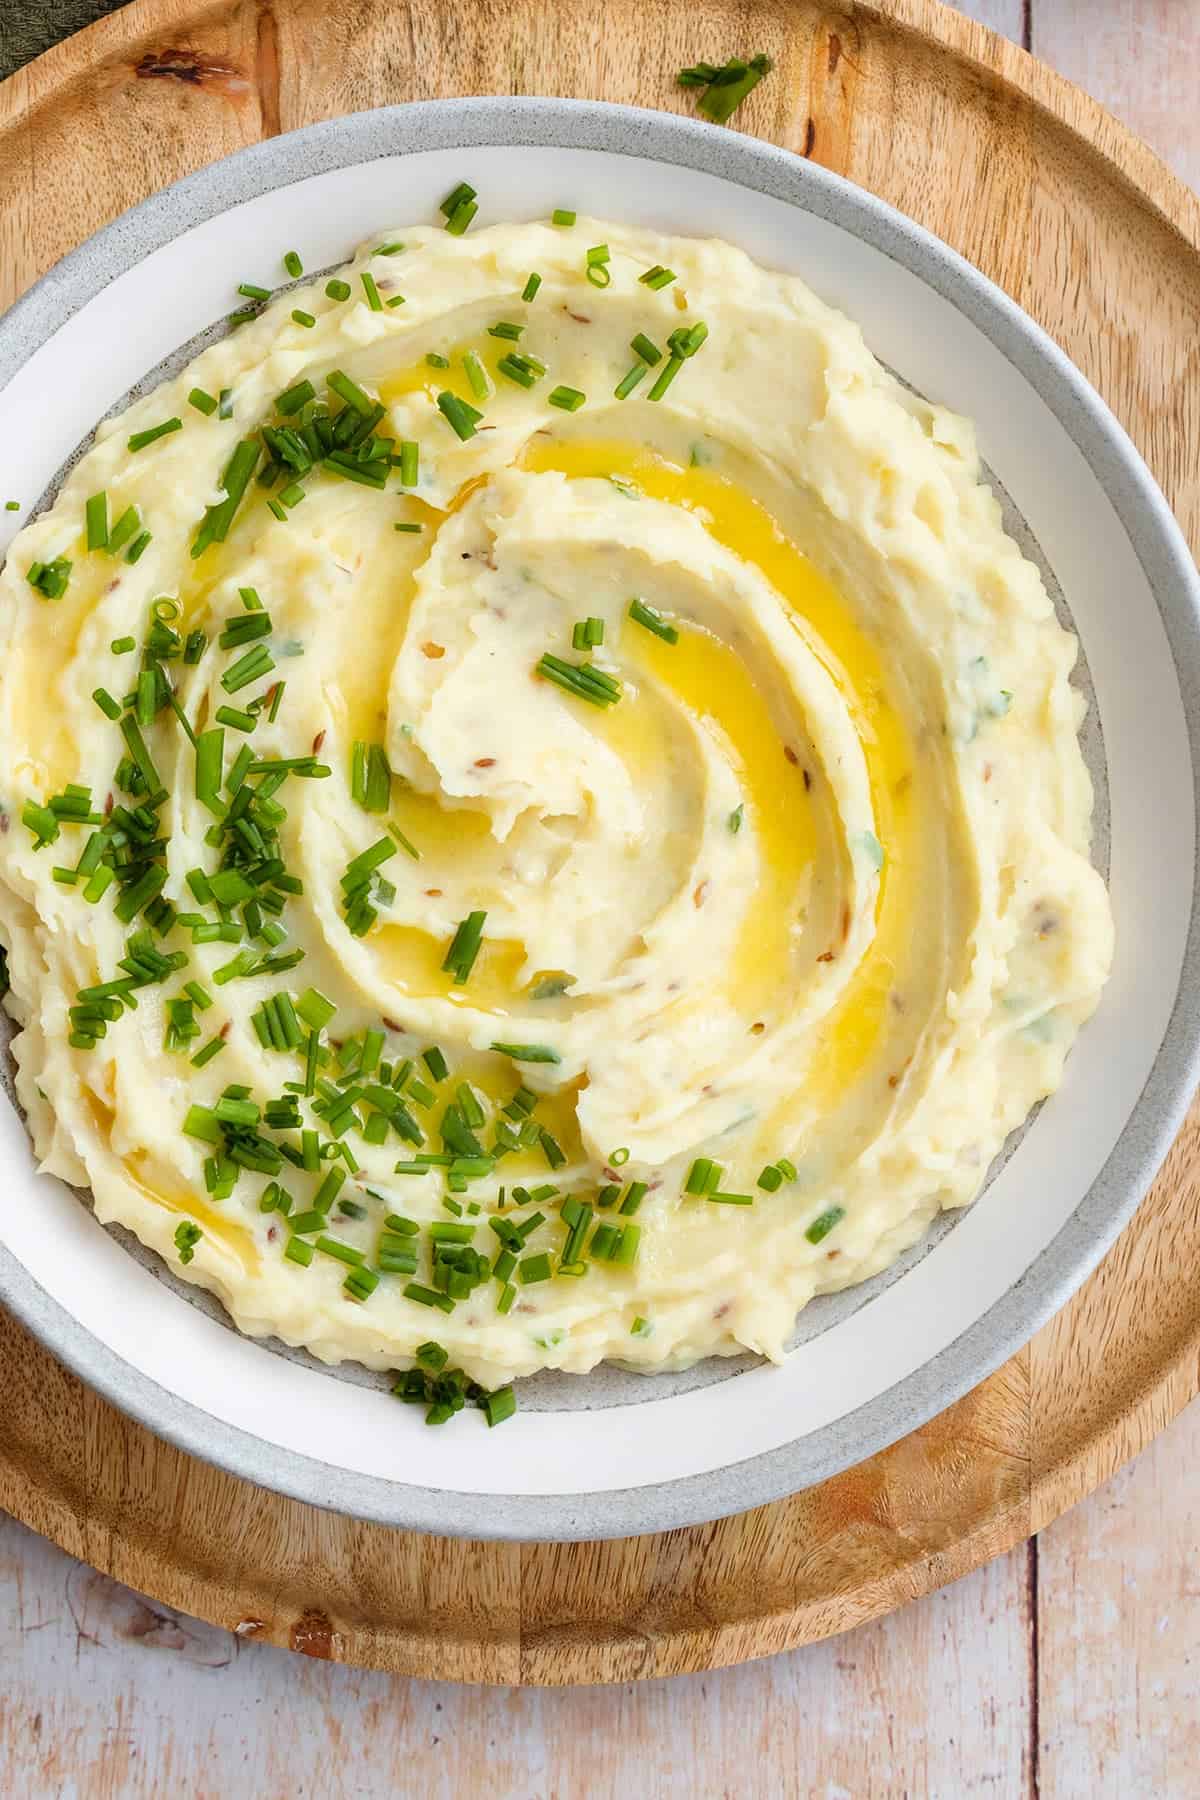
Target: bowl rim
<point>1161,550</point>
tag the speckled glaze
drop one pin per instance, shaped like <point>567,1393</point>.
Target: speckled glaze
<point>1159,549</point>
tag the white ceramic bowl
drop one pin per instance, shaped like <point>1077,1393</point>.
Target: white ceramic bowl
<point>614,1455</point>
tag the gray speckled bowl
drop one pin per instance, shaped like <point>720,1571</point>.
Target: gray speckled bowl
<point>871,1364</point>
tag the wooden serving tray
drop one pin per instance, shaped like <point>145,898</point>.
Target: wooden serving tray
<point>1089,232</point>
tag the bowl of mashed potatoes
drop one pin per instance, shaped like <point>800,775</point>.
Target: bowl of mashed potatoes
<point>570,791</point>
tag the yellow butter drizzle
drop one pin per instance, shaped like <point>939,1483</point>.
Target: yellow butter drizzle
<point>743,525</point>
<point>718,691</point>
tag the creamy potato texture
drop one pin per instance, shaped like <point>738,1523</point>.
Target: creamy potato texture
<point>802,920</point>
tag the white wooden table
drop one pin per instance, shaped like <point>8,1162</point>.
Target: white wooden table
<point>1070,1668</point>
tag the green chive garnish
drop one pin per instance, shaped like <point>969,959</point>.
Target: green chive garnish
<point>464,948</point>
<point>225,404</point>
<point>673,366</point>
<point>140,439</point>
<point>126,527</point>
<point>477,376</point>
<point>187,1236</point>
<point>641,346</point>
<point>96,516</point>
<point>410,456</point>
<point>736,817</point>
<point>293,265</point>
<point>568,399</point>
<point>641,614</point>
<point>583,680</point>
<point>657,277</point>
<point>531,287</point>
<point>629,381</point>
<point>561,216</point>
<point>371,291</point>
<point>503,328</point>
<point>203,403</point>
<point>530,1053</point>
<point>824,1224</point>
<point>597,270</point>
<point>437,362</point>
<point>458,414</point>
<point>300,317</point>
<point>724,88</point>
<point>337,290</point>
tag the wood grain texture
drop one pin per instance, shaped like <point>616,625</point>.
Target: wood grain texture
<point>1083,226</point>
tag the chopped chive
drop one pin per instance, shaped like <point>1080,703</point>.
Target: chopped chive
<point>126,527</point>
<point>461,215</point>
<point>135,550</point>
<point>203,402</point>
<point>535,1268</point>
<point>293,398</point>
<point>207,1051</point>
<point>657,277</point>
<point>225,404</point>
<point>730,1199</point>
<point>499,1405</point>
<point>337,290</point>
<point>516,369</point>
<point>249,290</point>
<point>123,645</point>
<point>104,700</point>
<point>293,265</point>
<point>410,456</point>
<point>235,479</point>
<point>673,365</point>
<point>437,362</point>
<point>824,1224</point>
<point>391,249</point>
<point>436,1063</point>
<point>477,376</point>
<point>464,948</point>
<point>583,680</point>
<point>567,399</point>
<point>96,517</point>
<point>297,1250</point>
<point>140,439</point>
<point>562,216</point>
<point>649,353</point>
<point>461,417</point>
<point>641,614</point>
<point>737,817</point>
<point>406,525</point>
<point>300,317</point>
<point>771,1179</point>
<point>629,381</point>
<point>531,287</point>
<point>530,1053</point>
<point>456,197</point>
<point>504,328</point>
<point>725,88</point>
<point>427,1297</point>
<point>597,269</point>
<point>371,291</point>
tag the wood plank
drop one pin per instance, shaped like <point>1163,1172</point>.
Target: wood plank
<point>1004,16</point>
<point>130,1697</point>
<point>1119,1622</point>
<point>1140,58</point>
